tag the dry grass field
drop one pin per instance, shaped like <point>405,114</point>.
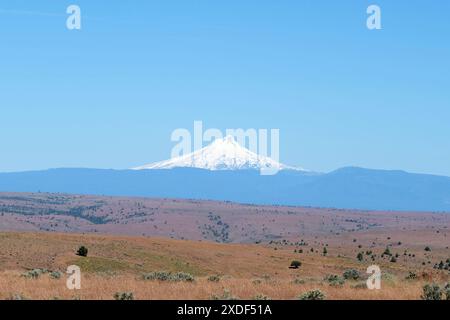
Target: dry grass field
<point>231,250</point>
<point>245,271</point>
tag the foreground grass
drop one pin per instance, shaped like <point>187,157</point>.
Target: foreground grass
<point>103,287</point>
<point>244,271</point>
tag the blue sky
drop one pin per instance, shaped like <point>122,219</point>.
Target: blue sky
<point>109,95</point>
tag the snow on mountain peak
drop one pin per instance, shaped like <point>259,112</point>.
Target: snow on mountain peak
<point>221,154</point>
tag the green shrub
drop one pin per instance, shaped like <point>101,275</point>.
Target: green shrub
<point>182,276</point>
<point>124,296</point>
<point>411,276</point>
<point>334,280</point>
<point>295,264</point>
<point>82,251</point>
<point>298,281</point>
<point>34,274</point>
<point>431,292</point>
<point>17,296</point>
<point>446,291</point>
<point>312,295</point>
<point>360,256</point>
<point>55,275</point>
<point>360,285</point>
<point>351,274</point>
<point>226,295</point>
<point>214,278</point>
<point>168,276</point>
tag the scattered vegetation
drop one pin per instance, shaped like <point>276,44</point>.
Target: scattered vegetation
<point>82,251</point>
<point>298,281</point>
<point>34,273</point>
<point>55,275</point>
<point>214,278</point>
<point>123,296</point>
<point>17,296</point>
<point>226,295</point>
<point>312,295</point>
<point>360,256</point>
<point>431,292</point>
<point>411,276</point>
<point>334,280</point>
<point>169,276</point>
<point>351,274</point>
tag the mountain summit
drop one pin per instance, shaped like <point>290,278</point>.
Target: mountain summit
<point>221,154</point>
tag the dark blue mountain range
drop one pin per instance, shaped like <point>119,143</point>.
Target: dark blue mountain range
<point>347,188</point>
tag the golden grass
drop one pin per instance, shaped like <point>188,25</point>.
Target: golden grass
<point>104,287</point>
<point>116,264</point>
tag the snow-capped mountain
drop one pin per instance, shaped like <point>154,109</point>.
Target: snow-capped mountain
<point>221,154</point>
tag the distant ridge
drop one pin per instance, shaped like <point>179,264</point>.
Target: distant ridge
<point>346,188</point>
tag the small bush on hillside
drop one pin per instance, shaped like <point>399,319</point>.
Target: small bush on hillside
<point>55,275</point>
<point>447,292</point>
<point>157,275</point>
<point>214,278</point>
<point>295,264</point>
<point>360,256</point>
<point>82,251</point>
<point>351,274</point>
<point>34,274</point>
<point>334,280</point>
<point>182,276</point>
<point>431,292</point>
<point>387,252</point>
<point>312,295</point>
<point>226,295</point>
<point>360,285</point>
<point>411,276</point>
<point>124,296</point>
<point>298,281</point>
<point>17,296</point>
<point>168,276</point>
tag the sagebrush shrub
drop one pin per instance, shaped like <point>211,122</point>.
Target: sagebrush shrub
<point>34,274</point>
<point>168,276</point>
<point>226,295</point>
<point>124,296</point>
<point>334,280</point>
<point>55,275</point>
<point>214,278</point>
<point>17,296</point>
<point>351,274</point>
<point>312,295</point>
<point>298,281</point>
<point>411,276</point>
<point>447,291</point>
<point>431,292</point>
